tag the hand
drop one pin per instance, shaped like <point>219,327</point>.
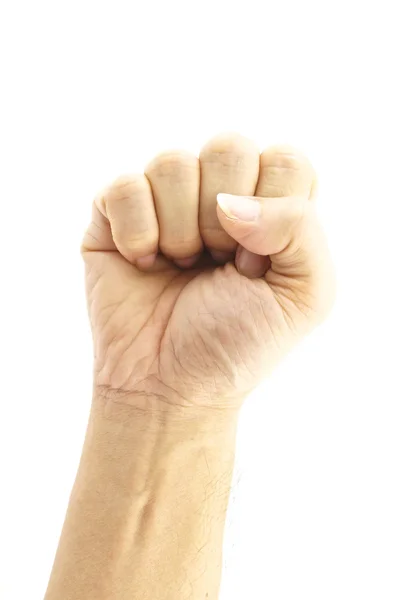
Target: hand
<point>193,303</point>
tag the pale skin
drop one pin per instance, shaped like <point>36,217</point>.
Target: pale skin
<point>192,300</point>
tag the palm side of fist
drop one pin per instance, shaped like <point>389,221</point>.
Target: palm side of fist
<point>192,301</point>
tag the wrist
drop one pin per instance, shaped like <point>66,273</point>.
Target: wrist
<point>131,436</point>
<point>135,446</point>
<point>163,412</point>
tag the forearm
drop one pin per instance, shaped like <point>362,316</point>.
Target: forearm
<point>147,511</point>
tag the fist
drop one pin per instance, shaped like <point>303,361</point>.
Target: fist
<point>203,272</point>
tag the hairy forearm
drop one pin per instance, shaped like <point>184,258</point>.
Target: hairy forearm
<point>147,511</point>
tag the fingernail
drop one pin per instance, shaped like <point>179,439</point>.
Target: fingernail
<point>243,208</point>
<point>251,265</point>
<point>221,257</point>
<point>185,263</point>
<point>145,262</point>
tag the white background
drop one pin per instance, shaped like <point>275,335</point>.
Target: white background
<point>93,89</point>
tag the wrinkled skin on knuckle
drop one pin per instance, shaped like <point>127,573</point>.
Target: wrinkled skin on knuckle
<point>126,185</point>
<point>173,166</point>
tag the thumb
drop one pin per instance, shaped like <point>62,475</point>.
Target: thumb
<point>287,230</point>
<point>263,226</point>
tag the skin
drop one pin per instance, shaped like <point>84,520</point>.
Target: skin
<point>191,304</point>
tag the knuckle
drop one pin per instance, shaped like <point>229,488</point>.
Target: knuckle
<point>229,150</point>
<point>284,171</point>
<point>172,165</point>
<point>284,157</point>
<point>128,186</point>
<point>227,142</point>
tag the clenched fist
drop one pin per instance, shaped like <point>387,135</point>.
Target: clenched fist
<point>202,273</point>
